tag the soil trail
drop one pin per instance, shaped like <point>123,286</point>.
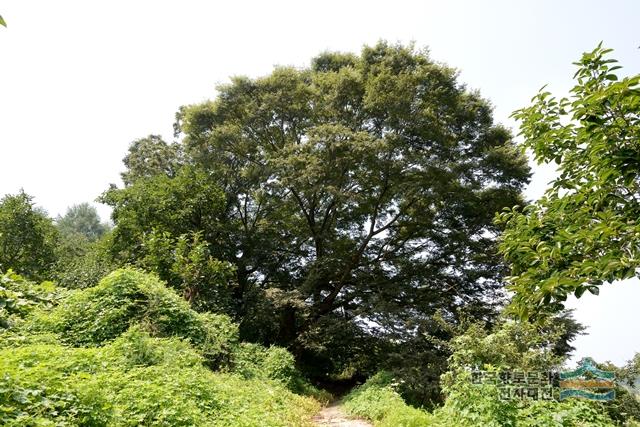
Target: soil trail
<point>334,416</point>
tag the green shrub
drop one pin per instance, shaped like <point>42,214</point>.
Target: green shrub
<point>405,416</point>
<point>273,363</point>
<point>43,383</point>
<point>126,297</point>
<point>470,405</point>
<point>255,361</point>
<point>198,397</point>
<point>137,348</point>
<point>378,401</point>
<point>16,338</point>
<point>572,412</point>
<point>136,380</point>
<point>82,263</point>
<point>131,352</point>
<point>509,346</point>
<point>19,297</point>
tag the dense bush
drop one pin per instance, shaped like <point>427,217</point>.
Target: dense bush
<point>131,352</point>
<point>27,237</point>
<point>378,401</point>
<point>508,346</point>
<point>255,361</point>
<point>93,316</point>
<point>468,405</point>
<point>136,380</point>
<point>186,264</point>
<point>18,297</point>
<point>273,363</point>
<point>81,263</point>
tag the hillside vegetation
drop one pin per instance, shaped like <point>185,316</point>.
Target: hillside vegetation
<point>131,352</point>
<point>347,226</point>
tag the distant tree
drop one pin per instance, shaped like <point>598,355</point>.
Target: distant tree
<point>150,156</point>
<point>83,253</point>
<point>82,219</point>
<point>27,237</point>
<point>586,228</point>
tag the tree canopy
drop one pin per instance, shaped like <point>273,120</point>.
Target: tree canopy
<point>27,237</point>
<point>358,190</point>
<point>586,228</point>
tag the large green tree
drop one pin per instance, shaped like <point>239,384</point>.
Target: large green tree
<point>358,191</point>
<point>586,228</point>
<point>27,237</point>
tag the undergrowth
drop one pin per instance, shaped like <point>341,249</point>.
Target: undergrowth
<point>131,352</point>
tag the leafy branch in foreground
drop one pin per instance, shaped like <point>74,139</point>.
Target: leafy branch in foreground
<point>585,230</point>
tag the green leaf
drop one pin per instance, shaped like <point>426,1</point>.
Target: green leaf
<point>583,209</point>
<point>4,24</point>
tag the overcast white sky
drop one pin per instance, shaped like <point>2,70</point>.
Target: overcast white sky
<point>79,80</point>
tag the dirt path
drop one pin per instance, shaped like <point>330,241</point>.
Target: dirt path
<point>334,416</point>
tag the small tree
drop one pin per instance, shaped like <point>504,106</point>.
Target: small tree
<point>27,237</point>
<point>187,265</point>
<point>586,228</point>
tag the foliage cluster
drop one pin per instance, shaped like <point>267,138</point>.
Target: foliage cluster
<point>27,237</point>
<point>626,406</point>
<point>273,363</point>
<point>83,251</point>
<point>92,316</point>
<point>378,401</point>
<point>130,352</point>
<point>19,297</point>
<point>586,229</point>
<point>187,265</point>
<point>509,345</point>
<point>136,380</point>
